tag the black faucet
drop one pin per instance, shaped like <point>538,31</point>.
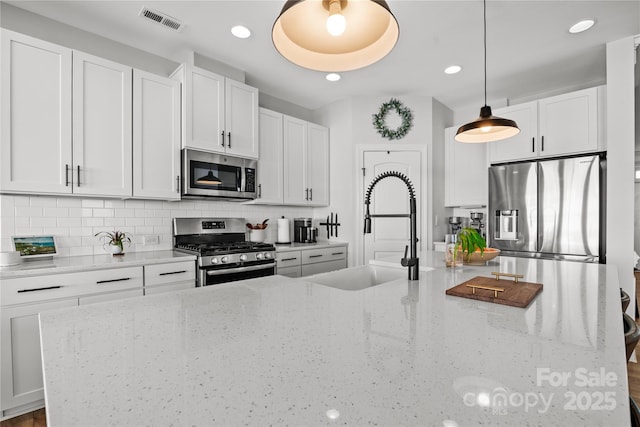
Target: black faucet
<point>412,262</point>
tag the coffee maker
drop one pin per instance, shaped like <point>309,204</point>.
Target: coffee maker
<point>477,222</point>
<point>304,231</point>
<point>457,223</point>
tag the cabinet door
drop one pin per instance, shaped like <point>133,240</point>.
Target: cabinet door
<point>36,115</point>
<point>21,361</point>
<point>111,296</point>
<point>318,164</point>
<point>161,289</point>
<point>101,127</point>
<point>156,137</point>
<point>202,109</point>
<point>522,146</point>
<point>569,123</point>
<point>466,176</point>
<point>241,119</point>
<point>270,169</point>
<point>295,161</point>
<point>323,267</point>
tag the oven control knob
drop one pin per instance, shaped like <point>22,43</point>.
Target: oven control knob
<point>243,257</point>
<point>259,255</point>
<point>224,259</point>
<point>214,260</point>
<point>267,255</point>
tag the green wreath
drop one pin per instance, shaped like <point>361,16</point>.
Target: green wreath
<point>403,112</point>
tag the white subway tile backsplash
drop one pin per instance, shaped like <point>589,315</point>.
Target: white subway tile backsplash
<point>75,221</point>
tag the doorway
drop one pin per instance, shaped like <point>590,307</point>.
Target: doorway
<point>389,236</point>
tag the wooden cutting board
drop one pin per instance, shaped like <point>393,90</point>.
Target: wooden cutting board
<point>499,291</point>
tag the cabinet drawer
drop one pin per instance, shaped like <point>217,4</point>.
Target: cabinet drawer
<point>323,267</point>
<point>289,271</point>
<point>169,288</point>
<point>110,296</point>
<point>322,255</point>
<point>55,286</point>
<point>288,259</point>
<point>159,274</point>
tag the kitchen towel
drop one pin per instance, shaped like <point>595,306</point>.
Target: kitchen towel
<point>283,231</point>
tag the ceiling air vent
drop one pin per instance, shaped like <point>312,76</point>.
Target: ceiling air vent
<point>161,18</point>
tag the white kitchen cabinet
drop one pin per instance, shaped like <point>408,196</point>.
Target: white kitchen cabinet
<point>311,260</point>
<point>569,123</point>
<point>523,145</point>
<point>271,168</point>
<point>156,137</point>
<point>101,126</point>
<point>160,278</point>
<point>560,125</point>
<point>306,162</point>
<point>36,115</point>
<point>218,113</point>
<point>22,299</point>
<point>466,176</point>
<point>21,360</point>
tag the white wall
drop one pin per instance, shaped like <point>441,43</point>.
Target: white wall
<point>74,221</point>
<point>620,160</point>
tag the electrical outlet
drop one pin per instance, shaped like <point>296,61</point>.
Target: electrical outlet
<point>151,240</point>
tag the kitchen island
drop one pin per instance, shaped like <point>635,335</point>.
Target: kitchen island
<point>280,351</point>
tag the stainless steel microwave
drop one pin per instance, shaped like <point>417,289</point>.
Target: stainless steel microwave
<point>207,174</point>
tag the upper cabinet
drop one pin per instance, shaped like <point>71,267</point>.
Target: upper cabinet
<point>101,127</point>
<point>306,163</point>
<point>36,115</point>
<point>156,137</point>
<point>560,125</point>
<point>466,175</point>
<point>271,169</point>
<point>54,144</point>
<point>218,114</point>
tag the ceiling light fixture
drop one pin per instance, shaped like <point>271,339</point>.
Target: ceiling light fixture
<point>241,32</point>
<point>487,127</point>
<point>335,35</point>
<point>581,26</point>
<point>452,69</point>
<point>333,77</point>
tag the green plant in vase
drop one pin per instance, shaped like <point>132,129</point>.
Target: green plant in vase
<point>470,241</point>
<point>115,240</point>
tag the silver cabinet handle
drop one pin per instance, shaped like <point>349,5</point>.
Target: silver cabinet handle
<point>223,138</point>
<point>99,282</point>
<point>337,253</point>
<point>39,289</point>
<point>229,139</point>
<point>172,272</point>
<point>311,194</point>
<point>178,184</point>
<point>533,144</point>
<point>259,191</point>
<point>66,175</point>
<point>542,142</point>
<point>315,256</point>
<point>306,194</point>
<point>288,259</point>
<point>78,176</point>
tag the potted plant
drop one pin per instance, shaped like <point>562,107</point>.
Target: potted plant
<point>473,247</point>
<point>115,240</point>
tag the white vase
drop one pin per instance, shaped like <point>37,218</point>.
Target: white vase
<point>115,250</point>
<point>257,235</point>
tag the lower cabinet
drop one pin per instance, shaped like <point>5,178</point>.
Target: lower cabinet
<point>311,260</point>
<point>176,276</point>
<point>21,384</point>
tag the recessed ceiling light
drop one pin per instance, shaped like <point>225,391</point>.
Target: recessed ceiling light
<point>581,26</point>
<point>241,32</point>
<point>333,77</point>
<point>452,69</point>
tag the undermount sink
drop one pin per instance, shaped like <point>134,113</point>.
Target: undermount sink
<point>357,278</point>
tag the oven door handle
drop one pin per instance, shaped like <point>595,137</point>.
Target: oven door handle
<point>240,269</point>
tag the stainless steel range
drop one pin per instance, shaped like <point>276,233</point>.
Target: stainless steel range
<point>223,253</point>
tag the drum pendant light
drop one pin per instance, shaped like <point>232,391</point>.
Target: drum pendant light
<point>487,127</point>
<point>335,35</point>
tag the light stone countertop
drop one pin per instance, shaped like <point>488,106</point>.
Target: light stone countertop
<point>280,351</point>
<point>58,265</point>
<point>294,246</point>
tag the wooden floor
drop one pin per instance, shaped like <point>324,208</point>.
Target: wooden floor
<point>39,419</point>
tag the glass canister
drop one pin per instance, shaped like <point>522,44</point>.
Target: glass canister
<point>452,257</point>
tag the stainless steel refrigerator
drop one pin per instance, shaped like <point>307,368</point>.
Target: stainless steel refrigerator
<point>549,208</point>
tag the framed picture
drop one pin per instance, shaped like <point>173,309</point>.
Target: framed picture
<point>34,246</point>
